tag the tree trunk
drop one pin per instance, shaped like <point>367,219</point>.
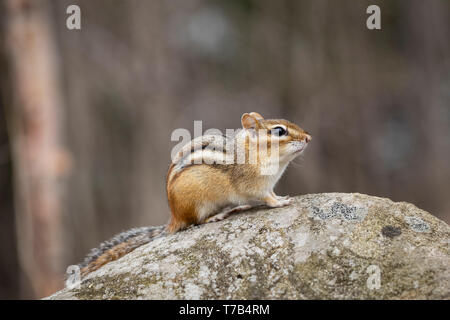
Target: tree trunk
<point>33,117</point>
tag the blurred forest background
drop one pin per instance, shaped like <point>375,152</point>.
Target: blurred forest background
<point>86,115</point>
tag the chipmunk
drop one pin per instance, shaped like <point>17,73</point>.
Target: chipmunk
<point>215,176</point>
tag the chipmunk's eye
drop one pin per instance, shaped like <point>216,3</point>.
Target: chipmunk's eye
<point>279,131</point>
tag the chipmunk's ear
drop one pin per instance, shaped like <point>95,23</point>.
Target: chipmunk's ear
<point>256,115</point>
<point>250,120</point>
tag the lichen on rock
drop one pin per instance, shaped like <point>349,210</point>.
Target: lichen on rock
<point>323,246</point>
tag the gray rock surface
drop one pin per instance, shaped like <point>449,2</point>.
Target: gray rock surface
<point>324,246</point>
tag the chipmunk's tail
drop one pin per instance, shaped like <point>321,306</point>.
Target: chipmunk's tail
<point>118,246</point>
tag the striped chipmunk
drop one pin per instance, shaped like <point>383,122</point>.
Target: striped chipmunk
<point>215,176</point>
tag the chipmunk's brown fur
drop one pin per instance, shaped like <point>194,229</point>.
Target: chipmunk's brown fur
<point>200,192</point>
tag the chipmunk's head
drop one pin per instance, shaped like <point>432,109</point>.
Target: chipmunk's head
<point>292,139</point>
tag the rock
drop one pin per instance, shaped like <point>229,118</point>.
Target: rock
<point>324,246</point>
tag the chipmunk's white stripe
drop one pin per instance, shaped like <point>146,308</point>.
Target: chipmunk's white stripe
<point>203,156</point>
<point>208,156</point>
<point>279,125</point>
<point>215,141</point>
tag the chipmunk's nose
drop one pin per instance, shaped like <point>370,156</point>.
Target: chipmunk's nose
<point>308,138</point>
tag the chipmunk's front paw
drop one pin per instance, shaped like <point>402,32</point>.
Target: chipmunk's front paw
<point>277,202</point>
<point>285,201</point>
